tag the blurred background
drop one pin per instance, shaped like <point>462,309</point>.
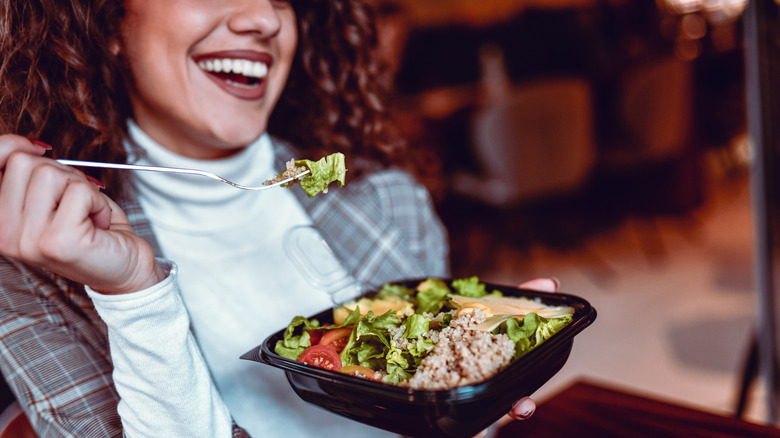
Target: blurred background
<point>602,142</point>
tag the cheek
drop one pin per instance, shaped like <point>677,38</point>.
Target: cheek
<point>288,39</point>
<point>158,72</point>
<point>156,42</point>
<point>160,87</point>
<point>288,47</point>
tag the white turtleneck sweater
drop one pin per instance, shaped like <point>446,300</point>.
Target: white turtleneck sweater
<point>233,285</point>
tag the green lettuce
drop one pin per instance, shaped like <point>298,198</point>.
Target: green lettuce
<point>397,365</point>
<point>370,345</point>
<point>432,296</point>
<point>394,290</point>
<point>419,349</point>
<point>471,287</point>
<point>532,331</point>
<point>401,364</point>
<point>296,337</point>
<point>415,325</point>
<point>352,318</point>
<point>373,335</point>
<point>371,342</point>
<point>296,340</point>
<point>323,172</point>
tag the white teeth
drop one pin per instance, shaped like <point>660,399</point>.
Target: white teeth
<point>259,70</point>
<point>238,66</point>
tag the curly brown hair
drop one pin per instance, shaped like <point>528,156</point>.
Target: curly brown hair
<point>338,86</point>
<point>61,83</point>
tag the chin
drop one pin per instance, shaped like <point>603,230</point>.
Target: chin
<point>235,136</point>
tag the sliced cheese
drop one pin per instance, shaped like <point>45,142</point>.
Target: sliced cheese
<point>499,309</point>
<point>378,306</point>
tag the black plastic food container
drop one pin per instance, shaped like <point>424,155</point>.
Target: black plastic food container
<point>459,412</point>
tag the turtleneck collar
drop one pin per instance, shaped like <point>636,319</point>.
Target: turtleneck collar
<point>197,203</point>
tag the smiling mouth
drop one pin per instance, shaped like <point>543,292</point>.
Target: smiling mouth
<point>236,71</point>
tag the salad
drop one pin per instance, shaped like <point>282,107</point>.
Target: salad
<point>323,172</point>
<point>433,336</point>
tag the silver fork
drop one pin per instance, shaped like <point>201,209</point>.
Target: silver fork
<point>77,163</point>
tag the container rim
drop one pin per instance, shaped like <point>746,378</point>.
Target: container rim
<point>584,315</point>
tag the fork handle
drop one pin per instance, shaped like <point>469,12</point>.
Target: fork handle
<point>179,170</point>
<point>131,167</point>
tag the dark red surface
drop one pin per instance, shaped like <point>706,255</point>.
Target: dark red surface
<point>586,409</point>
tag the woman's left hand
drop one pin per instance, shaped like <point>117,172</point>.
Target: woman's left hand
<point>525,407</point>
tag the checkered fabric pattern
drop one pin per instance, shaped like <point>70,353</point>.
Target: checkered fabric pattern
<point>54,350</point>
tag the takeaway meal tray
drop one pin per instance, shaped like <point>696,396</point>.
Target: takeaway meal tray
<point>457,412</point>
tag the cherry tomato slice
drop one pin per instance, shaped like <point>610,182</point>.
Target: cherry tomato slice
<point>336,338</point>
<point>315,336</point>
<point>360,371</point>
<point>321,356</point>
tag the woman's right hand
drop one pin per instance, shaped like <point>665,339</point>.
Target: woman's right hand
<point>52,216</point>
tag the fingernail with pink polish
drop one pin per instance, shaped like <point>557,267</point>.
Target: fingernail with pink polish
<point>95,182</point>
<point>40,144</point>
<point>524,415</point>
<point>525,412</point>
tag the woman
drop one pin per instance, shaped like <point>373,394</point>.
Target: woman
<point>129,316</point>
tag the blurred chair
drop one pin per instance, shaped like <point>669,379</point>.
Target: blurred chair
<point>649,159</point>
<point>13,421</point>
<point>530,140</point>
<point>648,162</point>
<point>654,114</point>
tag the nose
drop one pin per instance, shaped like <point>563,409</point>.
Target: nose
<point>255,16</point>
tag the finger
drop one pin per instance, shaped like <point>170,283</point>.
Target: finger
<point>19,171</point>
<point>66,243</point>
<point>542,284</point>
<point>83,208</point>
<point>482,434</point>
<point>523,409</point>
<point>45,186</point>
<point>102,213</point>
<point>11,143</point>
<point>119,220</point>
<point>13,193</point>
<point>84,246</point>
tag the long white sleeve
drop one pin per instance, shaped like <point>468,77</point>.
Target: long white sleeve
<point>236,281</point>
<point>162,379</point>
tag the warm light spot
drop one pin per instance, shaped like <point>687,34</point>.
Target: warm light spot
<point>720,12</point>
<point>684,6</point>
<point>687,50</point>
<point>693,26</point>
<point>717,12</point>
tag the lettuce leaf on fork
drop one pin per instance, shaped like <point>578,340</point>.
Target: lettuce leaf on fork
<point>323,172</point>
